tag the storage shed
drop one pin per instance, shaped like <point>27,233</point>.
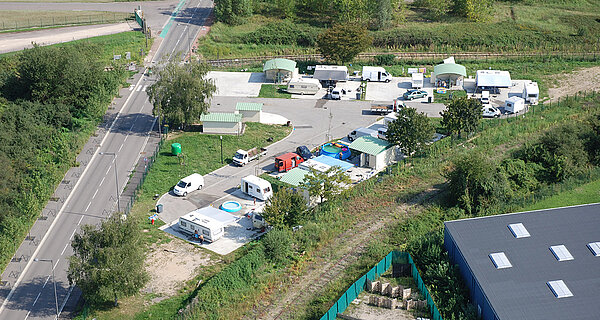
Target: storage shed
<point>491,80</point>
<point>279,70</point>
<point>294,177</point>
<point>221,123</point>
<point>251,112</point>
<point>374,153</point>
<point>450,74</point>
<point>530,265</point>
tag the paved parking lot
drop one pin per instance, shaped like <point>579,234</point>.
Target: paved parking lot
<point>237,84</point>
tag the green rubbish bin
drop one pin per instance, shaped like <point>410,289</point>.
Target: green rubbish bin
<point>175,148</point>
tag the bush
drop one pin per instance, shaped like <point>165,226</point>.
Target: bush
<point>285,32</point>
<point>278,245</point>
<point>384,60</point>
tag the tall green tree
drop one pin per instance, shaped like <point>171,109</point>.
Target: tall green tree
<point>343,42</point>
<point>463,115</point>
<point>108,262</point>
<point>410,131</point>
<point>285,208</point>
<point>232,11</point>
<point>436,8</point>
<point>383,13</point>
<point>325,184</point>
<point>182,92</point>
<point>474,10</point>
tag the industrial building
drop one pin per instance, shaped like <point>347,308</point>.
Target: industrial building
<point>541,264</point>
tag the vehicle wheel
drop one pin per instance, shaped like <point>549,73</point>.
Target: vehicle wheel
<point>412,98</point>
<point>185,194</point>
<point>200,187</point>
<point>301,93</point>
<point>387,81</point>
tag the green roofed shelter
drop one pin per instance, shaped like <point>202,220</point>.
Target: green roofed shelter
<point>279,70</point>
<point>250,111</point>
<point>375,153</point>
<point>450,74</point>
<point>221,123</point>
<point>294,177</point>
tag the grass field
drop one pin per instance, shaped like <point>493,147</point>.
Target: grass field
<point>273,91</point>
<point>25,19</point>
<point>445,97</point>
<point>587,193</point>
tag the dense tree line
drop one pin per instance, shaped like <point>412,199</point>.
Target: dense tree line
<point>50,98</point>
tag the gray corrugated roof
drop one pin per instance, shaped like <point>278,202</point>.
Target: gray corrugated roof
<point>521,292</point>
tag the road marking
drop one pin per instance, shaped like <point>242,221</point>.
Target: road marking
<point>57,262</point>
<point>36,299</point>
<point>121,147</point>
<point>62,306</point>
<point>72,234</point>
<point>101,182</point>
<point>146,86</point>
<point>80,220</point>
<point>45,283</point>
<point>94,196</point>
<point>107,170</point>
<point>88,206</point>
<point>131,87</point>
<point>27,315</point>
<point>138,89</point>
<point>65,248</point>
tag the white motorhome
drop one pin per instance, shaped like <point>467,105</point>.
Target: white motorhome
<point>256,187</point>
<point>304,86</point>
<point>417,80</point>
<point>375,74</point>
<point>531,93</point>
<point>355,134</point>
<point>188,184</point>
<point>514,104</point>
<point>209,222</point>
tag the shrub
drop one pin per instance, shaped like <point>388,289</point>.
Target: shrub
<point>285,32</point>
<point>384,60</point>
<point>278,245</point>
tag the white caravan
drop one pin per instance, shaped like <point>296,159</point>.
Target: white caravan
<point>375,74</point>
<point>531,93</point>
<point>256,187</point>
<point>514,104</point>
<point>209,222</point>
<point>188,184</point>
<point>304,86</point>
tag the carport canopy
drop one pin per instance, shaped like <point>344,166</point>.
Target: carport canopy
<point>449,69</point>
<point>279,63</point>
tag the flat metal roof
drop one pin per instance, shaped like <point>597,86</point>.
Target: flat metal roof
<point>523,291</point>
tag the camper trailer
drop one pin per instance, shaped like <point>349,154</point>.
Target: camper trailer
<point>375,74</point>
<point>355,134</point>
<point>417,80</point>
<point>531,93</point>
<point>303,86</point>
<point>256,187</point>
<point>209,222</point>
<point>514,104</point>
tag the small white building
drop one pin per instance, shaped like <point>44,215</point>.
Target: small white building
<point>374,152</point>
<point>221,123</point>
<point>491,80</point>
<point>256,187</point>
<point>209,222</point>
<point>250,111</point>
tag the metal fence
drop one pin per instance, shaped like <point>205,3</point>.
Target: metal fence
<point>394,257</point>
<point>43,22</point>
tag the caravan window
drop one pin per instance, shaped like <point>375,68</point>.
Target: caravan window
<point>267,189</point>
<point>303,87</point>
<point>249,187</point>
<point>183,224</point>
<point>291,86</point>
<point>206,233</point>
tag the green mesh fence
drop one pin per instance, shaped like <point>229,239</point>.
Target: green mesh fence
<point>381,267</point>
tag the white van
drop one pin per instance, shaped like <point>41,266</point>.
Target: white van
<point>487,111</point>
<point>375,74</point>
<point>188,184</point>
<point>362,132</point>
<point>303,86</point>
<point>485,97</point>
<point>336,94</point>
<point>256,187</point>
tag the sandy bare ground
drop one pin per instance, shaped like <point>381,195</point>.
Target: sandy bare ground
<point>10,42</point>
<point>581,80</point>
<point>171,264</point>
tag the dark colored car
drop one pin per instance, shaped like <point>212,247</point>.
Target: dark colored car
<point>304,152</point>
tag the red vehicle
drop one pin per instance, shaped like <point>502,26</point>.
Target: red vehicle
<point>287,161</point>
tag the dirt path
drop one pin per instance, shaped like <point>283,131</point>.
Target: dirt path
<point>582,80</point>
<point>294,295</point>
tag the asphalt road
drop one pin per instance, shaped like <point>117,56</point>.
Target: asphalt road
<point>30,295</point>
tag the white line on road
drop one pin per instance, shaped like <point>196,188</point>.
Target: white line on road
<point>62,306</point>
<point>138,89</point>
<point>78,223</point>
<point>121,147</point>
<point>27,315</point>
<point>101,182</point>
<point>55,264</point>
<point>131,87</point>
<point>89,204</point>
<point>94,195</point>
<point>45,283</point>
<point>72,234</point>
<point>146,86</point>
<point>36,299</point>
<point>107,170</point>
<point>65,248</point>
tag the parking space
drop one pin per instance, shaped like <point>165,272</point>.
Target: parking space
<point>237,84</point>
<point>381,91</point>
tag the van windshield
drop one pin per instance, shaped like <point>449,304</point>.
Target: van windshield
<point>182,184</point>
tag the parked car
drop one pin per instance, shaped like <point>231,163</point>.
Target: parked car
<point>336,94</point>
<point>188,184</point>
<point>414,94</point>
<point>304,152</point>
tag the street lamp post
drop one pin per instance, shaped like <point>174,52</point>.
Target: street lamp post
<point>221,138</point>
<point>53,281</point>
<point>116,176</point>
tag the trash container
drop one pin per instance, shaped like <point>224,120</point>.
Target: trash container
<point>430,99</point>
<point>358,95</point>
<point>175,148</point>
<point>159,208</point>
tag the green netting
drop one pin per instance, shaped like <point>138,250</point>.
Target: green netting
<point>324,317</point>
<point>332,314</point>
<point>342,304</point>
<point>351,293</point>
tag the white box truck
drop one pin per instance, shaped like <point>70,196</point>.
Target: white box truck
<point>375,74</point>
<point>531,93</point>
<point>355,134</point>
<point>304,86</point>
<point>256,187</point>
<point>417,80</point>
<point>188,184</point>
<point>514,104</point>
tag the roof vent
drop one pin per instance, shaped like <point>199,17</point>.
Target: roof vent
<point>559,288</point>
<point>595,248</point>
<point>500,260</point>
<point>561,253</point>
<point>518,230</point>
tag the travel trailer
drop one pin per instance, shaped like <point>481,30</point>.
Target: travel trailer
<point>355,134</point>
<point>514,104</point>
<point>531,93</point>
<point>209,222</point>
<point>304,86</point>
<point>256,187</point>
